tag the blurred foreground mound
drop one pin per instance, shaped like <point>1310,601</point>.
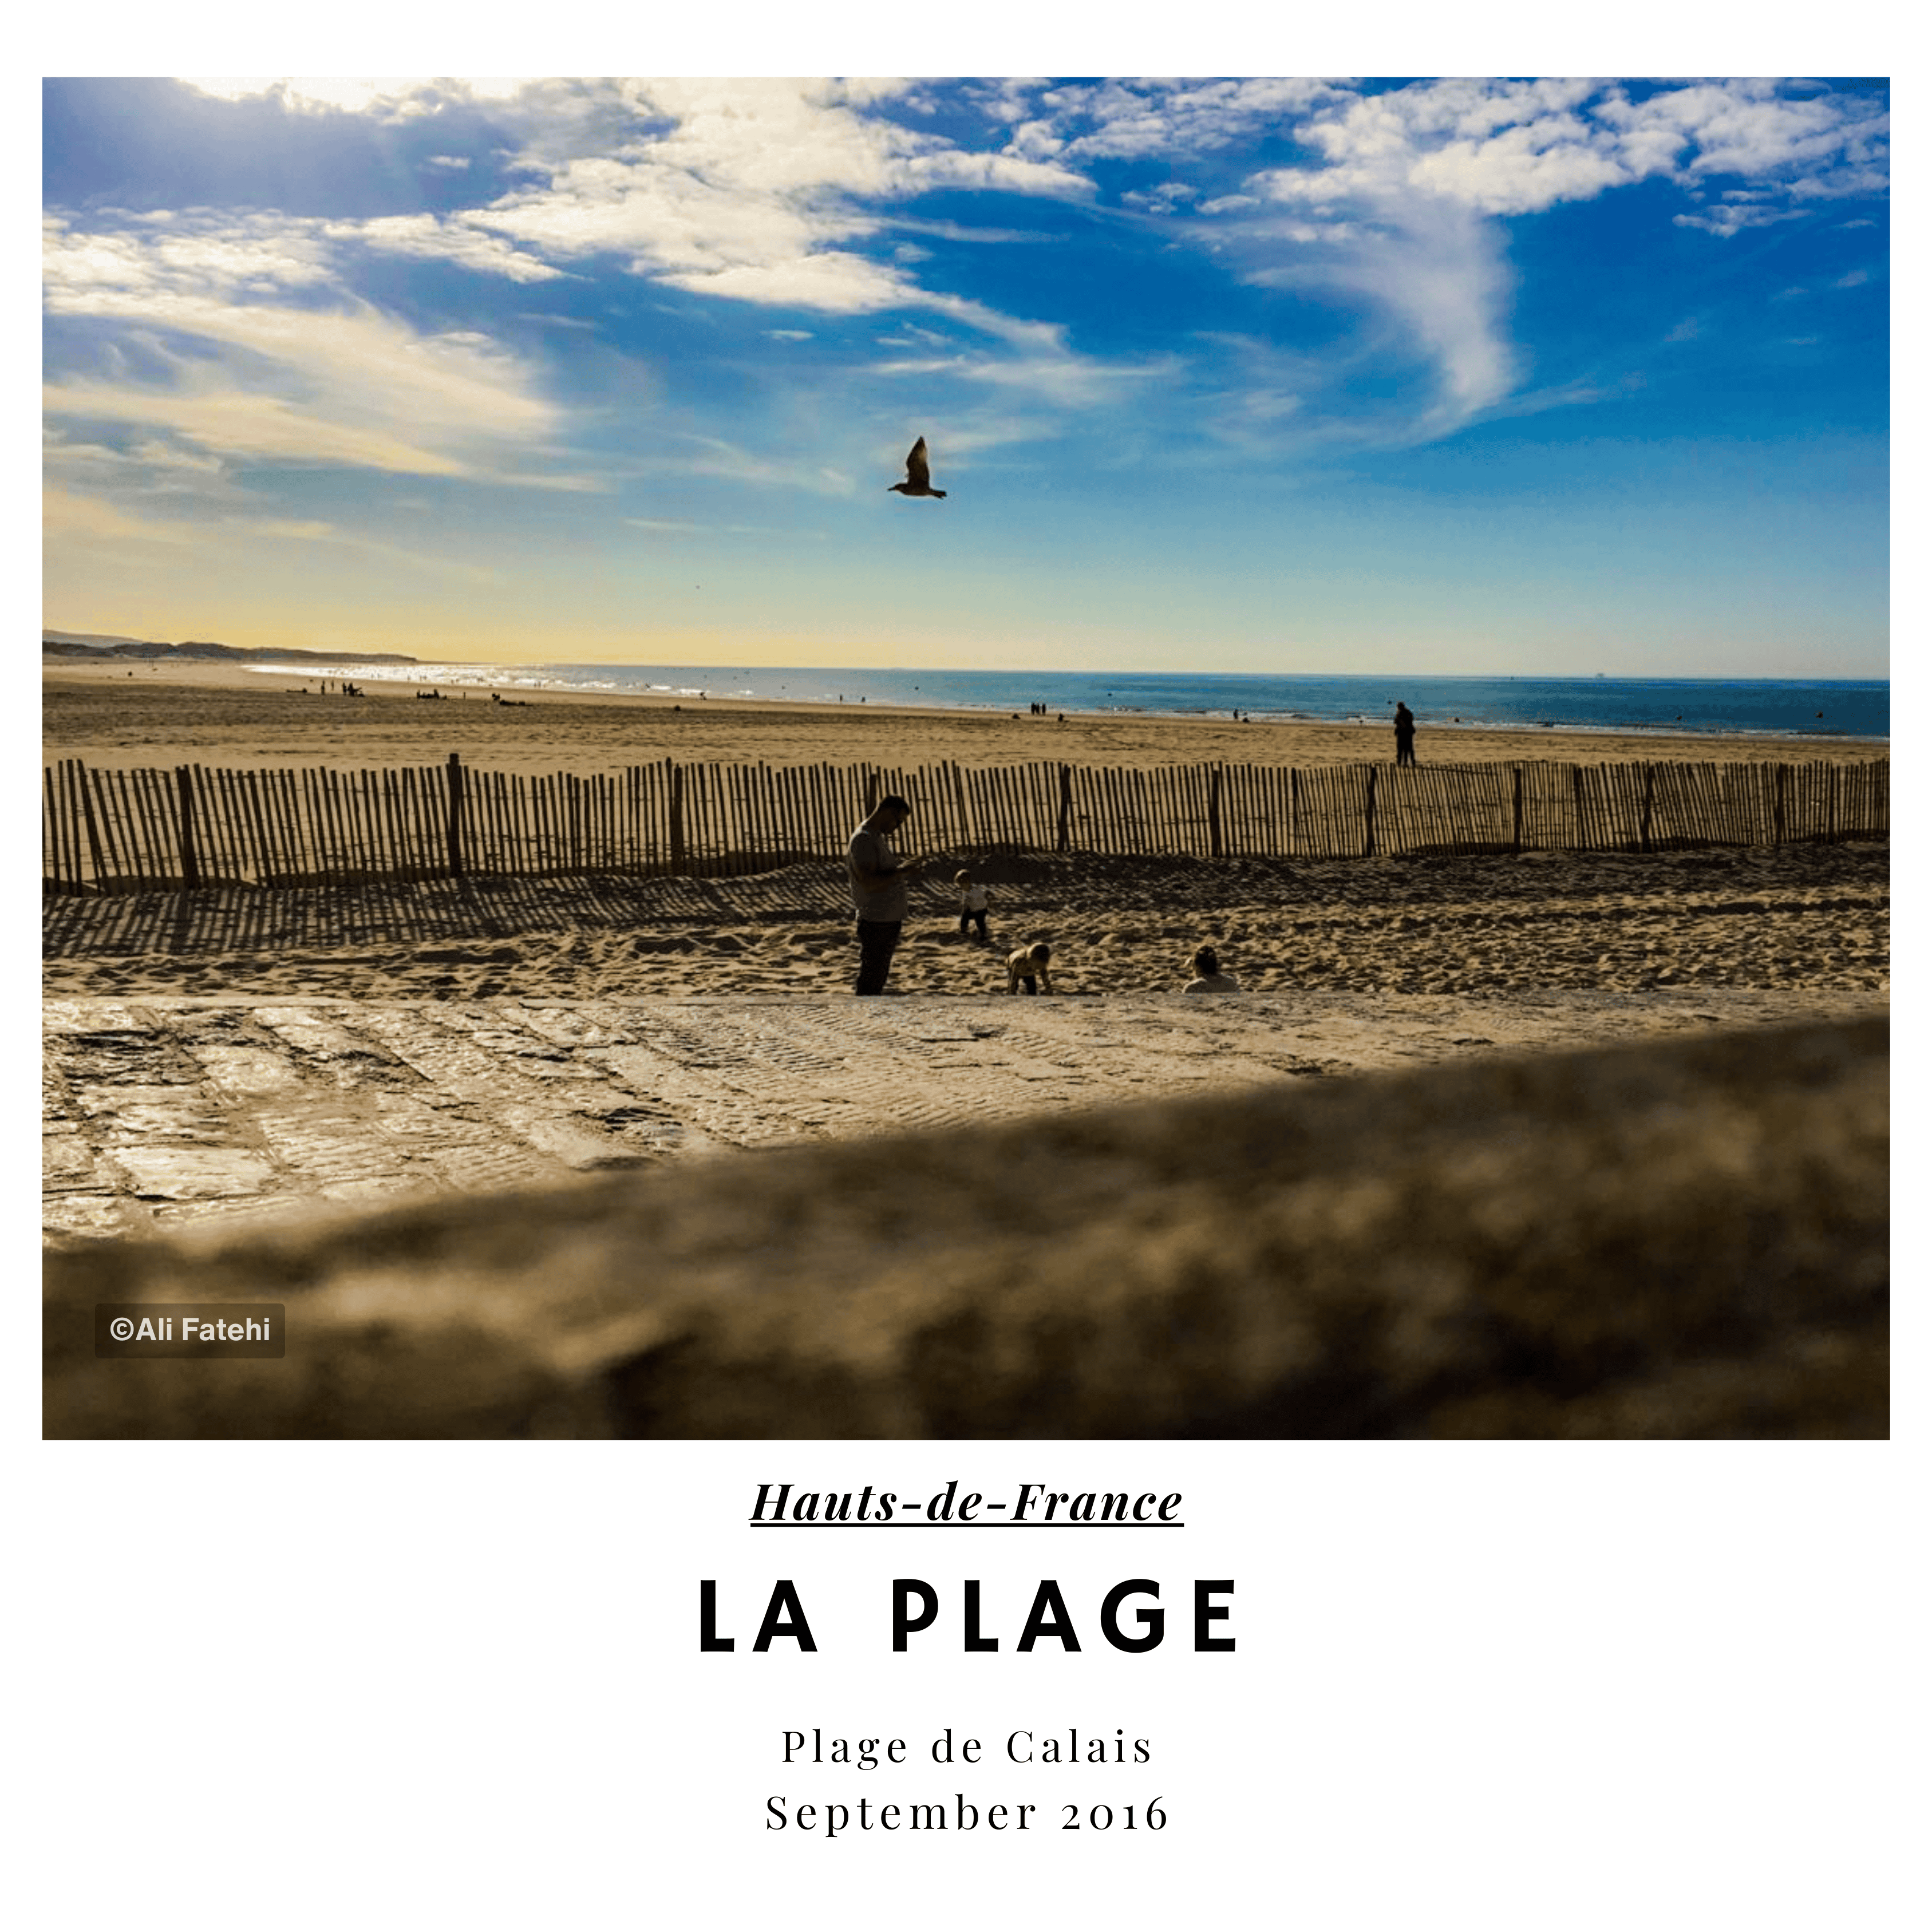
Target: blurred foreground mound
<point>1687,1239</point>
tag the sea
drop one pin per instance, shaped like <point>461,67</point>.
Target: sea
<point>1770,707</point>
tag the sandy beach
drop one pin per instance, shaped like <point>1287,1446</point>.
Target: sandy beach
<point>231,1061</point>
<point>123,715</point>
<point>1804,918</point>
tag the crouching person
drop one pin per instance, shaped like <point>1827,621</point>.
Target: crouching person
<point>1028,964</point>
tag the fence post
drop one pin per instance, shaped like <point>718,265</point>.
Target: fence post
<point>1368,818</point>
<point>677,818</point>
<point>93,831</point>
<point>1214,811</point>
<point>1515,826</point>
<point>1649,787</point>
<point>190,865</point>
<point>1066,807</point>
<point>1777,809</point>
<point>455,816</point>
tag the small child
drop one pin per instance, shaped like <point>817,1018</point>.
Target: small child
<point>1025,964</point>
<point>972,903</point>
<point>1208,977</point>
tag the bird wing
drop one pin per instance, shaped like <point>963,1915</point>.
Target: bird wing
<point>917,472</point>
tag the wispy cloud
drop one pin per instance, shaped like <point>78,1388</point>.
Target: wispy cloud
<point>753,191</point>
<point>1403,200</point>
<point>675,527</point>
<point>692,454</point>
<point>434,237</point>
<point>71,519</point>
<point>269,381</point>
<point>242,341</point>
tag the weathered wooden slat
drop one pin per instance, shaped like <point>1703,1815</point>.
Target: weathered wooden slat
<point>127,817</point>
<point>217,863</point>
<point>341,846</point>
<point>131,819</point>
<point>281,853</point>
<point>53,859</point>
<point>120,867</point>
<point>235,804</point>
<point>82,790</point>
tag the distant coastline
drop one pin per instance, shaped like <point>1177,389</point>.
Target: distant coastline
<point>80,644</point>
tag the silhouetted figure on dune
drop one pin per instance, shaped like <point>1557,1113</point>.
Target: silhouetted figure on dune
<point>918,477</point>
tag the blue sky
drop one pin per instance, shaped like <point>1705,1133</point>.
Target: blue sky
<point>1244,375</point>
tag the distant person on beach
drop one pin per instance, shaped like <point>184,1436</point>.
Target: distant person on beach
<point>1029,963</point>
<point>1405,735</point>
<point>1208,977</point>
<point>972,903</point>
<point>879,881</point>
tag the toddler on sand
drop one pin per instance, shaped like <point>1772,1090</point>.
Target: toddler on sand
<point>1208,977</point>
<point>1027,962</point>
<point>972,903</point>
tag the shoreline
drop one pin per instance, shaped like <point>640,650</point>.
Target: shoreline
<point>121,715</point>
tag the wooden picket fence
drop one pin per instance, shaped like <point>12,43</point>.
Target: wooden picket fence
<point>111,830</point>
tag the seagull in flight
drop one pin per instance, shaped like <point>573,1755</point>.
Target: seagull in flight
<point>918,477</point>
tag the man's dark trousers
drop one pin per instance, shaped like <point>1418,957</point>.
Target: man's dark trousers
<point>877,939</point>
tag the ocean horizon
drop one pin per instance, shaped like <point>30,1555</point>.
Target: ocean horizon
<point>1859,708</point>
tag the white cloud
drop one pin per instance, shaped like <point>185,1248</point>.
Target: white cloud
<point>455,240</point>
<point>1745,127</point>
<point>792,196</point>
<point>232,254</point>
<point>1115,119</point>
<point>347,97</point>
<point>1504,148</point>
<point>1066,381</point>
<point>1399,199</point>
<point>753,191</point>
<point>830,282</point>
<point>1729,218</point>
<point>265,380</point>
<point>396,98</point>
<point>1517,147</point>
<point>257,428</point>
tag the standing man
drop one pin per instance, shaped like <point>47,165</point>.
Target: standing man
<point>1405,734</point>
<point>879,882</point>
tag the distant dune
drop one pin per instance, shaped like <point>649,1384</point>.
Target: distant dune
<point>81,644</point>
